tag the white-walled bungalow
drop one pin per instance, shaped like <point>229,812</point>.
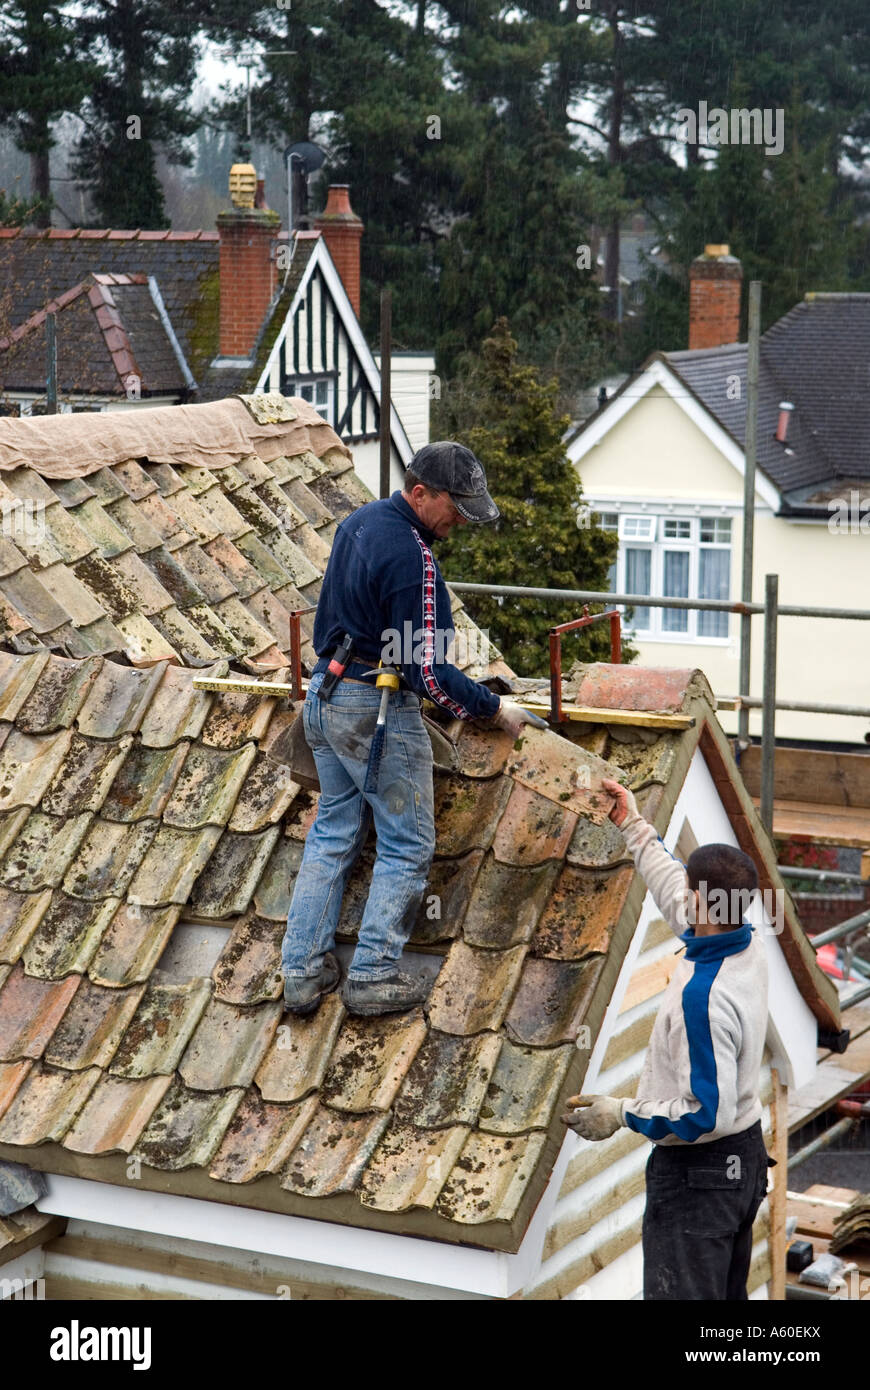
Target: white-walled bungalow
<point>662,463</point>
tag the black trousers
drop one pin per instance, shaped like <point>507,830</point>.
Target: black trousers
<point>701,1201</point>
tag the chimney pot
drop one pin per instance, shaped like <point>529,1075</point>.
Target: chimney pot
<point>342,230</point>
<point>785,410</point>
<point>715,280</point>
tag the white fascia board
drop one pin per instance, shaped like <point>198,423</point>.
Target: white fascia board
<point>321,257</point>
<point>659,374</point>
<point>428,1262</point>
<point>660,506</point>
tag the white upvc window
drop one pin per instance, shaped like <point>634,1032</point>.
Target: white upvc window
<point>317,390</point>
<point>673,557</point>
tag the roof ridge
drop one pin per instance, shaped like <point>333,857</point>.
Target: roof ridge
<point>109,233</point>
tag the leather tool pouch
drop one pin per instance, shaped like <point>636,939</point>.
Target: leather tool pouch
<point>291,750</point>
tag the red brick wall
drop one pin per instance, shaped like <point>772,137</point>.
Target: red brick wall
<point>248,276</point>
<point>714,303</point>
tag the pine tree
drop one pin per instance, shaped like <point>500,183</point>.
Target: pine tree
<point>515,431</point>
<point>138,103</point>
<point>42,75</point>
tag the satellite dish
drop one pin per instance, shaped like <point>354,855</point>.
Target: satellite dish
<point>311,156</point>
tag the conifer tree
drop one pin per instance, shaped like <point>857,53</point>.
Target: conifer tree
<point>515,431</point>
<point>42,75</point>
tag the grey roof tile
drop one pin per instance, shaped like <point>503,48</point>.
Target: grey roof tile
<point>108,858</point>
<point>333,1152</point>
<point>227,886</point>
<point>524,1089</point>
<point>18,677</point>
<point>105,533</point>
<point>46,1105</point>
<point>474,988</point>
<point>32,599</point>
<point>117,701</point>
<point>275,888</point>
<point>20,915</point>
<point>186,1129</point>
<point>248,970</point>
<point>85,775</point>
<point>28,763</point>
<point>90,1030</point>
<point>144,783</point>
<point>489,1177</point>
<point>208,786</point>
<point>228,1046</point>
<point>371,1059</point>
<point>410,1166</point>
<point>132,944</point>
<point>161,1028</point>
<point>115,1114</point>
<point>296,1062</point>
<point>153,597</point>
<point>106,586</point>
<point>176,710</point>
<point>506,903</point>
<point>261,1138</point>
<point>67,936</point>
<point>43,850</point>
<point>447,1080</point>
<point>58,694</point>
<point>171,866</point>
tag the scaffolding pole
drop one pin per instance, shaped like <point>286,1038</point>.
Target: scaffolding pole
<point>749,502</point>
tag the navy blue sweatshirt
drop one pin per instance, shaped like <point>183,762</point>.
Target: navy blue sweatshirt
<point>383,579</point>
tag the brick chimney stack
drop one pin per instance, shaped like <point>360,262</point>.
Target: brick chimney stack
<point>715,281</point>
<point>248,271</point>
<point>341,230</point>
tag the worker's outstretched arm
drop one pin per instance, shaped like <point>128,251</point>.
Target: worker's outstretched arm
<point>664,876</point>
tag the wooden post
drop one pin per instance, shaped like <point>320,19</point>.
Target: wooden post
<point>777,1196</point>
<point>386,355</point>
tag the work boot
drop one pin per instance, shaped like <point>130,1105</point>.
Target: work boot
<point>302,995</point>
<point>395,995</point>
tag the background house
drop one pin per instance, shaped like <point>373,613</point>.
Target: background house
<point>198,1142</point>
<point>159,318</point>
<point>662,462</point>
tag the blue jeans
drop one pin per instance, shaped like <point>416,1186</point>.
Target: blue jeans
<point>340,733</point>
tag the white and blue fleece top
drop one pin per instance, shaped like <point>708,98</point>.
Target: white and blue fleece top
<point>700,1077</point>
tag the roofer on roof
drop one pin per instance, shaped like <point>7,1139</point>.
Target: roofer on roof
<point>697,1098</point>
<point>382,587</point>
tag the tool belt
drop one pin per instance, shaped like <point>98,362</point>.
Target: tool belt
<point>292,748</point>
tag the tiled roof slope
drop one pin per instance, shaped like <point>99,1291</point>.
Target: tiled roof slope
<point>131,802</point>
<point>190,565</point>
<point>108,328</point>
<point>36,267</point>
<point>816,358</point>
<point>148,849</point>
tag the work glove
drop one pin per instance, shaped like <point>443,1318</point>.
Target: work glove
<point>597,1118</point>
<point>626,807</point>
<point>511,717</point>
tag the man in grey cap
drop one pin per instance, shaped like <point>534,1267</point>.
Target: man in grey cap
<point>382,587</point>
